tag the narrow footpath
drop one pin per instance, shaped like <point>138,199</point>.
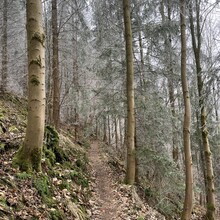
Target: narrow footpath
<point>111,200</point>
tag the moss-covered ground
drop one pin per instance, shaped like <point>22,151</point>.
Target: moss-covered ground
<point>60,191</point>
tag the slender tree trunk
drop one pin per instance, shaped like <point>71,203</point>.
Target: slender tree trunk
<point>105,130</point>
<point>76,124</point>
<point>168,49</point>
<point>120,131</point>
<point>188,202</point>
<point>142,79</point>
<point>49,90</point>
<point>109,130</point>
<point>4,47</point>
<point>116,133</point>
<point>29,156</point>
<point>55,68</point>
<point>210,188</point>
<point>202,159</point>
<point>130,171</point>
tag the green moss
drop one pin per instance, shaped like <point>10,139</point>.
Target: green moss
<point>36,155</point>
<point>13,129</point>
<point>79,163</point>
<point>41,183</point>
<point>34,80</point>
<point>64,185</point>
<point>22,161</point>
<point>74,174</point>
<point>79,179</point>
<point>210,207</point>
<point>39,37</point>
<point>148,192</point>
<point>52,145</point>
<point>57,214</point>
<point>28,161</point>
<point>2,147</point>
<point>23,175</point>
<point>50,156</point>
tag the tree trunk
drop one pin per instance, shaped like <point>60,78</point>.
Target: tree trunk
<point>116,133</point>
<point>188,202</point>
<point>49,89</point>
<point>105,130</point>
<point>169,66</point>
<point>130,171</point>
<point>4,48</point>
<point>55,68</point>
<point>29,155</point>
<point>109,130</point>
<point>210,188</point>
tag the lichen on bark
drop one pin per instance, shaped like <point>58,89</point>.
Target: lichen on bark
<point>40,37</point>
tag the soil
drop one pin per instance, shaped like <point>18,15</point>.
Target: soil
<point>112,200</point>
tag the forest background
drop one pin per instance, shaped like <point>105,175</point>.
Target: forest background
<point>86,83</point>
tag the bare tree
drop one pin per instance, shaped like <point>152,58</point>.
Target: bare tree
<point>188,202</point>
<point>29,155</point>
<point>55,68</point>
<point>209,175</point>
<point>130,173</point>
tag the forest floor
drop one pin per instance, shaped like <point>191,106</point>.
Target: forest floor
<point>111,199</point>
<point>79,180</point>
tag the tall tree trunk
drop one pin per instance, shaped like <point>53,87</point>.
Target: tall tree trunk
<point>202,159</point>
<point>116,133</point>
<point>29,156</point>
<point>196,42</point>
<point>4,47</point>
<point>169,65</point>
<point>104,130</point>
<point>130,171</point>
<point>188,202</point>
<point>109,130</point>
<point>49,89</point>
<point>55,68</point>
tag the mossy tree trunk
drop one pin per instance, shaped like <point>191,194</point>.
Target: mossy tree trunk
<point>130,171</point>
<point>28,157</point>
<point>188,202</point>
<point>4,47</point>
<point>209,175</point>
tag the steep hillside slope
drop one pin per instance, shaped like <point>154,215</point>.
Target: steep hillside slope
<point>60,192</point>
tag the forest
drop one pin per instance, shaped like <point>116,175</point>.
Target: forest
<point>120,99</point>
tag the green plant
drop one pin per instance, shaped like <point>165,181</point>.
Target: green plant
<point>41,183</point>
<point>23,175</point>
<point>56,214</point>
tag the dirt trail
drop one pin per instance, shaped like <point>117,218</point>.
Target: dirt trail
<point>111,200</point>
<point>104,195</point>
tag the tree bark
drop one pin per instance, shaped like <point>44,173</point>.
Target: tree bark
<point>210,188</point>
<point>4,47</point>
<point>169,66</point>
<point>29,155</point>
<point>130,171</point>
<point>104,130</point>
<point>55,68</point>
<point>116,133</point>
<point>188,202</point>
<point>109,130</point>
